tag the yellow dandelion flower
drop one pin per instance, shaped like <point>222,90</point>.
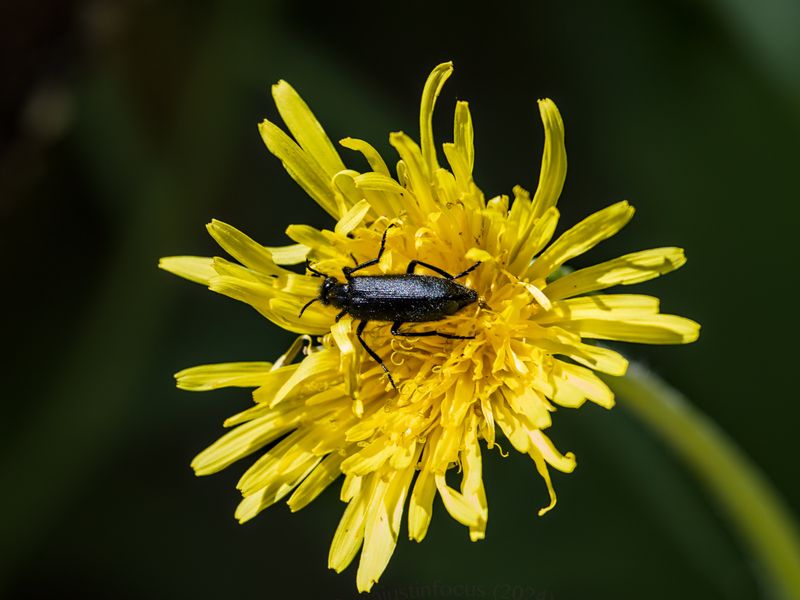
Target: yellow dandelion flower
<point>510,360</point>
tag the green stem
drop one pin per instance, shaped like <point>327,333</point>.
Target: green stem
<point>751,504</point>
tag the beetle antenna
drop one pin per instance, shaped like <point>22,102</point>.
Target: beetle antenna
<point>307,304</point>
<point>483,304</point>
<point>313,270</point>
<point>468,271</point>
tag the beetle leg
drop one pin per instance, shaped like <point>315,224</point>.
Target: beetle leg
<point>468,271</point>
<point>348,271</point>
<point>372,353</point>
<point>442,272</point>
<point>414,263</point>
<point>396,331</point>
<point>312,269</point>
<point>341,314</point>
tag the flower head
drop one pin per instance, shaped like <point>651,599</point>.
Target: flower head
<point>510,359</point>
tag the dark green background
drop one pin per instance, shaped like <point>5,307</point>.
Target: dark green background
<point>127,126</point>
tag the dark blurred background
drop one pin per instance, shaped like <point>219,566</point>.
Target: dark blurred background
<point>126,126</point>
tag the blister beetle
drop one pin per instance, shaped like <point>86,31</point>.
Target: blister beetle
<point>398,299</point>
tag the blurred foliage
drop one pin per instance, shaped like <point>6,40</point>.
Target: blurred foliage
<point>128,125</point>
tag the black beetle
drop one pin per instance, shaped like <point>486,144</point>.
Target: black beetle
<point>408,298</point>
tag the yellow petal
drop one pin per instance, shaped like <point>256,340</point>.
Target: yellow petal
<point>300,344</point>
<point>352,218</point>
<point>530,406</point>
<point>625,270</point>
<point>194,268</point>
<point>537,294</point>
<point>301,167</point>
<point>285,312</point>
<point>232,270</point>
<point>212,377</point>
<point>381,528</point>
<point>601,307</point>
<point>580,238</point>
<point>404,454</point>
<point>320,242</point>
<point>447,191</point>
<point>464,510</point>
<point>351,487</point>
<point>472,479</point>
<point>563,462</point>
<point>463,135</point>
<point>243,440</point>
<point>541,467</point>
<point>350,532</point>
<point>273,382</point>
<point>250,292</point>
<point>457,402</point>
<point>459,166</point>
<point>270,467</point>
<point>305,128</point>
<point>559,390</point>
<point>284,481</point>
<point>520,212</point>
<point>535,236</point>
<point>379,182</point>
<point>382,203</point>
<point>418,179</point>
<point>543,230</point>
<point>376,535</point>
<point>370,458</point>
<point>446,449</point>
<point>487,427</point>
<point>420,507</point>
<point>554,159</point>
<point>433,86</point>
<point>584,380</point>
<point>513,428</point>
<point>254,412</point>
<point>479,255</point>
<point>656,329</point>
<point>288,255</point>
<point>298,285</point>
<point>373,157</point>
<point>316,365</point>
<point>242,248</point>
<point>335,392</point>
<point>341,335</point>
<point>600,359</point>
<point>594,357</point>
<point>320,478</point>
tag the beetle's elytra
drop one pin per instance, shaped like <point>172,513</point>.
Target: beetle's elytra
<point>408,298</point>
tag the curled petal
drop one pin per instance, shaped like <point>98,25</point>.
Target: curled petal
<point>554,159</point>
<point>433,86</point>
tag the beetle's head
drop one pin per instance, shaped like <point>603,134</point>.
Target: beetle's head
<point>326,289</point>
<point>333,292</point>
<point>330,292</point>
